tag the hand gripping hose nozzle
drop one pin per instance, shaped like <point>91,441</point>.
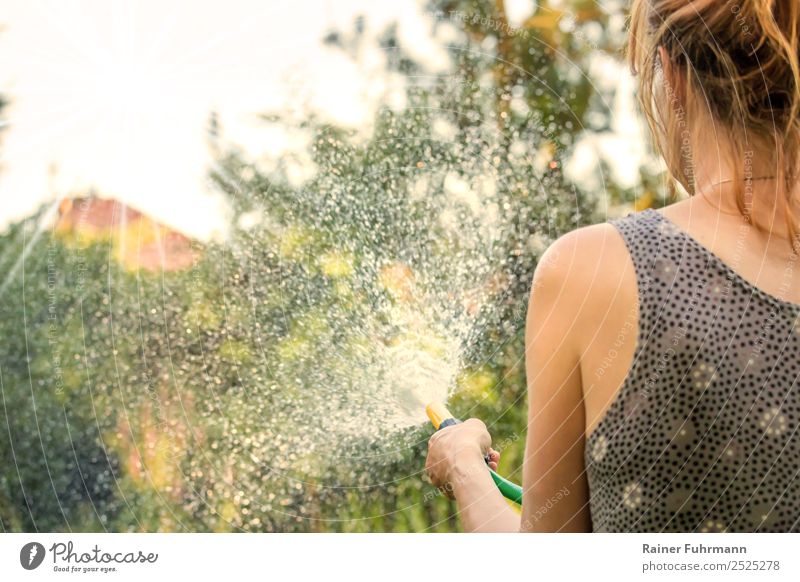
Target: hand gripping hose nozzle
<point>441,418</point>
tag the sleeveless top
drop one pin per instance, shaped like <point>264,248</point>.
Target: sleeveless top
<point>703,434</point>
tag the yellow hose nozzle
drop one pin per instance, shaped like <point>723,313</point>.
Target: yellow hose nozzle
<point>437,413</point>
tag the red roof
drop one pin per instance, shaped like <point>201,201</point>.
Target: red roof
<point>141,241</point>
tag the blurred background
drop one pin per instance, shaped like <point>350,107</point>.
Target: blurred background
<point>230,232</point>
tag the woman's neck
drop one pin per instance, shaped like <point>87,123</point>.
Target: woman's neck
<point>717,183</point>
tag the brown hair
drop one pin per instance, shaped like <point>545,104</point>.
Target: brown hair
<point>739,62</point>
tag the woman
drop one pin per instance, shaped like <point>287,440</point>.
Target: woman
<point>663,348</point>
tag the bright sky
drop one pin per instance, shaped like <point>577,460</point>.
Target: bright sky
<point>117,95</point>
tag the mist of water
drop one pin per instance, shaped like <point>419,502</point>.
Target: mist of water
<point>369,296</point>
<point>292,362</point>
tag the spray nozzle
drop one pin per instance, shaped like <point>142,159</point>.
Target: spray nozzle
<point>439,416</point>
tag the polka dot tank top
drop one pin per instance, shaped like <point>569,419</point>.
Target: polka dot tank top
<point>704,434</point>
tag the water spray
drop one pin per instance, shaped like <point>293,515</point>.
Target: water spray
<point>441,418</point>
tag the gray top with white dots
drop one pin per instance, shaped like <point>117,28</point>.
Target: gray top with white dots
<point>704,433</point>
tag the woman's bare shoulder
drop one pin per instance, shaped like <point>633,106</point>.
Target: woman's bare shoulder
<point>591,260</point>
<point>584,283</point>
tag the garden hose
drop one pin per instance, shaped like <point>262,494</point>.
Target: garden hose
<point>441,418</point>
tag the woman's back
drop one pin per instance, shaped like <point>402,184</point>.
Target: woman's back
<point>702,435</point>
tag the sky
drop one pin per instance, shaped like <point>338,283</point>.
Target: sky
<point>116,96</point>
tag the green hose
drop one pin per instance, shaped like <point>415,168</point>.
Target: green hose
<point>509,490</point>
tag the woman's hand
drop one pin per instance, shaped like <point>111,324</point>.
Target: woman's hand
<point>457,452</point>
<point>457,467</point>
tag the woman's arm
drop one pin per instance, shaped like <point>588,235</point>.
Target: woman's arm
<point>556,493</point>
